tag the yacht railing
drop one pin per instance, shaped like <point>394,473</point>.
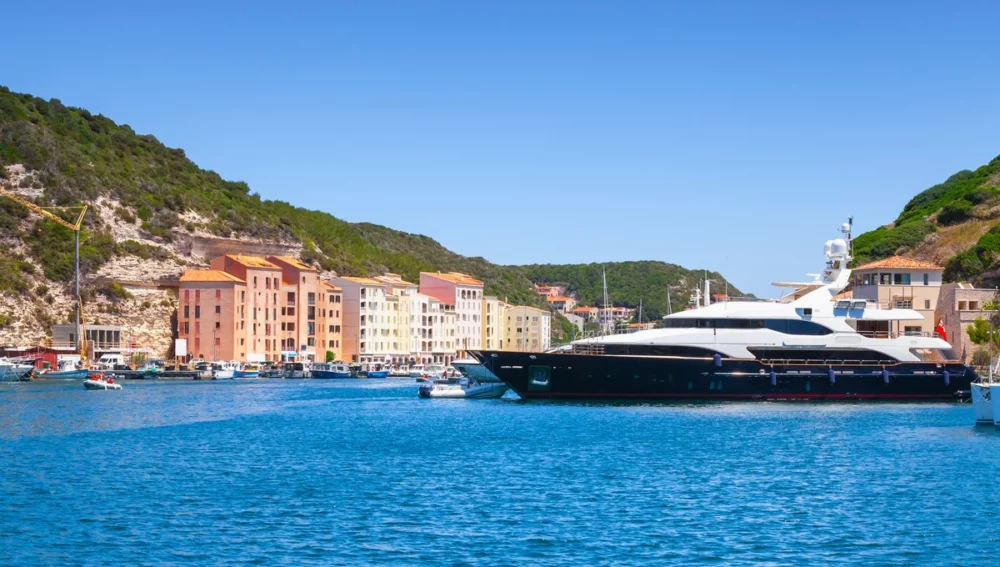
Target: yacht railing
<point>822,362</point>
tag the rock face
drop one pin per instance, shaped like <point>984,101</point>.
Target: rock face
<point>146,303</point>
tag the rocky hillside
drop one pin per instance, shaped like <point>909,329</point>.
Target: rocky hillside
<point>955,224</point>
<point>153,212</point>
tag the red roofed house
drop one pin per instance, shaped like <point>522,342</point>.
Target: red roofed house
<point>902,283</point>
<point>589,314</point>
<point>561,303</point>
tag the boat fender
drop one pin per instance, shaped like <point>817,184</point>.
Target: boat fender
<point>885,375</point>
<point>717,359</point>
<point>947,378</point>
<point>833,377</point>
<point>774,379</point>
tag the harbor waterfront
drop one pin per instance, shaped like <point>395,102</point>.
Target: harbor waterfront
<point>365,472</point>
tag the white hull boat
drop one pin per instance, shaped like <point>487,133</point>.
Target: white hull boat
<point>477,391</point>
<point>982,403</point>
<point>14,372</point>
<point>98,384</point>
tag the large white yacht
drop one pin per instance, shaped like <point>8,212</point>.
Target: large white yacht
<point>809,344</point>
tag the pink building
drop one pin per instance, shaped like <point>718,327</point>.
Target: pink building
<point>305,311</point>
<point>465,293</point>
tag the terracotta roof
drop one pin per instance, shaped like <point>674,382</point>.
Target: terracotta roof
<point>454,277</point>
<point>584,310</point>
<point>331,286</point>
<point>252,261</point>
<point>209,276</point>
<point>560,298</point>
<point>899,262</point>
<point>294,262</point>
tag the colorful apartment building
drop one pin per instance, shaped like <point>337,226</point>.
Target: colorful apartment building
<point>899,282</point>
<point>493,323</point>
<point>527,329</point>
<point>588,314</point>
<point>210,307</point>
<point>367,321</point>
<point>465,294</point>
<point>260,308</point>
<point>330,334</point>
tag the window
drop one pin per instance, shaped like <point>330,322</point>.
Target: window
<point>187,312</point>
<point>218,325</point>
<point>187,295</point>
<point>927,279</point>
<point>901,279</point>
<point>311,297</point>
<point>311,313</point>
<point>311,341</point>
<point>197,295</point>
<point>885,279</point>
<point>310,328</point>
<point>255,281</point>
<point>218,341</point>
<point>904,304</point>
<point>912,331</point>
<point>927,304</point>
<point>197,311</point>
<point>187,328</point>
<point>218,309</point>
<point>218,294</point>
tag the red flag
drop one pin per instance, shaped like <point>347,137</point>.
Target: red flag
<point>940,330</point>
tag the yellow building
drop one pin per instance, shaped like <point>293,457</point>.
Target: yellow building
<point>527,329</point>
<point>493,323</point>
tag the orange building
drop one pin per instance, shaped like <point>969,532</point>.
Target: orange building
<point>330,334</point>
<point>261,320</point>
<point>209,315</point>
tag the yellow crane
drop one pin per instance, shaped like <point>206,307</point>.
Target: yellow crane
<point>75,227</point>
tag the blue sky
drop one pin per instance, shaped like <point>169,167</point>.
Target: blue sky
<point>729,136</point>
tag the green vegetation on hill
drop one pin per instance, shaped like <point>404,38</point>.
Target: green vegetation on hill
<point>76,157</point>
<point>628,282</point>
<point>963,197</point>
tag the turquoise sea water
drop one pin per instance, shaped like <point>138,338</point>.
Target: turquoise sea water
<point>364,472</point>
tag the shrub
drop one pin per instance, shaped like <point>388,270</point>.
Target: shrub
<point>329,356</point>
<point>981,357</point>
<point>954,212</point>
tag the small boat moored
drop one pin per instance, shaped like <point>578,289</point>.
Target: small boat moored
<point>328,370</point>
<point>464,389</point>
<point>97,381</point>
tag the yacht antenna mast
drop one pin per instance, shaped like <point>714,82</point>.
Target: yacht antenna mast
<point>670,308</point>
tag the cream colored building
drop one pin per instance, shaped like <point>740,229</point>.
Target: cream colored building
<point>527,329</point>
<point>901,283</point>
<point>368,320</point>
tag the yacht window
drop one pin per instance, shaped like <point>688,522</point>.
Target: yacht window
<point>787,326</point>
<point>901,279</point>
<point>934,354</point>
<point>860,304</point>
<point>843,305</point>
<point>807,312</point>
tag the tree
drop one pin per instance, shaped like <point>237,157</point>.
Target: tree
<point>980,332</point>
<point>329,356</point>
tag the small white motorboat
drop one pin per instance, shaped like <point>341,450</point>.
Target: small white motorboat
<point>99,382</point>
<point>464,389</point>
<point>225,370</point>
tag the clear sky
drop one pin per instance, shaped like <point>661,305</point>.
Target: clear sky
<point>733,136</point>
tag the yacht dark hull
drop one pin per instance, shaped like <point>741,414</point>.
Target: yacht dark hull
<point>583,376</point>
